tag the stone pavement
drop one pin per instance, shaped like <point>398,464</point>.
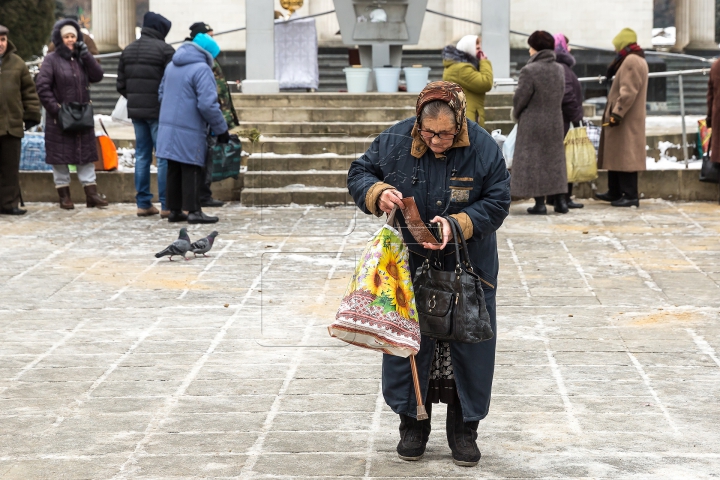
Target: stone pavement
<point>116,365</point>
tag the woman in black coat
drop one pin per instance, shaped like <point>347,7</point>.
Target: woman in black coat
<point>65,77</point>
<point>451,167</point>
<point>572,108</point>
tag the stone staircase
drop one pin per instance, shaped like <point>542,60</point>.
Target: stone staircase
<point>309,140</point>
<point>694,87</point>
<point>104,94</point>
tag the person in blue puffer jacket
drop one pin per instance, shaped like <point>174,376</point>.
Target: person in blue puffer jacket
<point>188,106</point>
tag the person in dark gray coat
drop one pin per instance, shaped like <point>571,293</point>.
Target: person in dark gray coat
<point>451,167</point>
<point>539,166</point>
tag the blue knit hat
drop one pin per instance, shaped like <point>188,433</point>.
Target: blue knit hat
<point>206,42</point>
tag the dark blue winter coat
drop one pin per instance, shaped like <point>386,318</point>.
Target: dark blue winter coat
<point>478,169</point>
<point>188,104</point>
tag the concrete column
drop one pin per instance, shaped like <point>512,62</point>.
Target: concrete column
<point>126,22</point>
<point>260,48</point>
<point>105,25</point>
<point>695,25</point>
<point>469,9</point>
<point>496,35</point>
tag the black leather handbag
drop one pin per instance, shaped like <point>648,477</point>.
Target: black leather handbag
<point>74,117</point>
<point>710,171</point>
<point>451,305</point>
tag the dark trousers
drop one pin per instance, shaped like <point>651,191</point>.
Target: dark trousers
<point>183,184</point>
<point>623,184</point>
<point>10,148</point>
<point>205,192</point>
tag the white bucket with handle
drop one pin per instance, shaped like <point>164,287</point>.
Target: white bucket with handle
<point>416,78</point>
<point>357,79</point>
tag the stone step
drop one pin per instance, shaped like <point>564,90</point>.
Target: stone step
<point>355,129</point>
<point>297,195</point>
<point>310,145</point>
<point>355,100</point>
<point>287,163</point>
<point>305,178</point>
<point>325,100</point>
<point>332,114</point>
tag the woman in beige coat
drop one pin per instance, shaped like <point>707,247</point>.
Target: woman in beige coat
<point>622,142</point>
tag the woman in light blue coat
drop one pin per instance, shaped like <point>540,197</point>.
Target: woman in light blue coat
<point>189,105</point>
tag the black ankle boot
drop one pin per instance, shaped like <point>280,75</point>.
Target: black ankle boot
<point>539,208</point>
<point>561,205</point>
<point>572,204</point>
<point>178,216</point>
<point>461,437</point>
<point>414,436</point>
<point>200,217</point>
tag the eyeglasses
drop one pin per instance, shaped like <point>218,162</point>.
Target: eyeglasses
<point>428,135</point>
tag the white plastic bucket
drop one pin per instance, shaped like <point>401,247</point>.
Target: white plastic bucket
<point>416,78</point>
<point>357,79</point>
<point>387,79</point>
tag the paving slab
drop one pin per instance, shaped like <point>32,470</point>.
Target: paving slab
<point>116,365</point>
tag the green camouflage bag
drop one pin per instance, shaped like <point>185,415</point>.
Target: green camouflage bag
<point>223,160</point>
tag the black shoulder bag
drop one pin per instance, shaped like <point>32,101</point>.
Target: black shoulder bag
<point>75,116</point>
<point>451,305</point>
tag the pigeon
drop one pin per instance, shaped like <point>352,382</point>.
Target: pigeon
<point>203,245</point>
<point>178,247</point>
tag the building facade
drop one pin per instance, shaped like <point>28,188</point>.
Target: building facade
<point>586,23</point>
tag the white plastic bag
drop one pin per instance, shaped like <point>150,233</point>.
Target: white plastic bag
<point>508,148</point>
<point>498,137</point>
<point>120,112</point>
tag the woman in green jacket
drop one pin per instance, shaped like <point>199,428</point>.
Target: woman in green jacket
<point>467,65</point>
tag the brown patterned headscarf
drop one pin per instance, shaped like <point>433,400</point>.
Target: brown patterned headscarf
<point>453,95</point>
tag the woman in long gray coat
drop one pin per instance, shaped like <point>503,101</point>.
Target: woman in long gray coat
<point>539,162</point>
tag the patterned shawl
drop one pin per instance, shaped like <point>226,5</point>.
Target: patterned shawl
<point>453,95</point>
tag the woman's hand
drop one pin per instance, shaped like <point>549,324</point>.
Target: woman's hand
<point>446,230</point>
<point>388,199</point>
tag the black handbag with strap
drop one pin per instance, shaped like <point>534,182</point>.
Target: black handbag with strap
<point>451,304</point>
<point>75,117</point>
<point>710,171</point>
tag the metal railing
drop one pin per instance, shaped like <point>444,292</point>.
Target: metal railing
<point>673,73</point>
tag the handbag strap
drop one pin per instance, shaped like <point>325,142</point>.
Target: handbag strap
<point>459,235</point>
<point>103,127</point>
<point>391,218</point>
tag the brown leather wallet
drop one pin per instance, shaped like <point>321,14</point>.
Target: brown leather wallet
<point>417,227</point>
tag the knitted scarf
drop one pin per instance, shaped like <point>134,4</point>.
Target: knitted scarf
<point>632,49</point>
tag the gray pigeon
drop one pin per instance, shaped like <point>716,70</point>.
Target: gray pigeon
<point>203,245</point>
<point>178,247</point>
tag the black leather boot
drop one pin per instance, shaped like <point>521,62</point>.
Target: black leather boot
<point>561,205</point>
<point>539,208</point>
<point>178,216</point>
<point>461,437</point>
<point>568,197</point>
<point>626,202</point>
<point>414,436</point>
<point>200,217</point>
<point>607,197</point>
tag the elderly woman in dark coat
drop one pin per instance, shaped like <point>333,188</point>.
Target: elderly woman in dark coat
<point>450,166</point>
<point>539,162</point>
<point>65,77</point>
<point>572,108</point>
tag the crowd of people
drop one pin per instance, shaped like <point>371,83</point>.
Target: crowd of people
<point>175,99</point>
<point>548,102</point>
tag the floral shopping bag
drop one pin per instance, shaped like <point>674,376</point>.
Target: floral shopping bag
<point>378,310</point>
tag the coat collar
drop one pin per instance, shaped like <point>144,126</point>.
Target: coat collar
<point>419,147</point>
<point>9,50</point>
<point>543,56</point>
